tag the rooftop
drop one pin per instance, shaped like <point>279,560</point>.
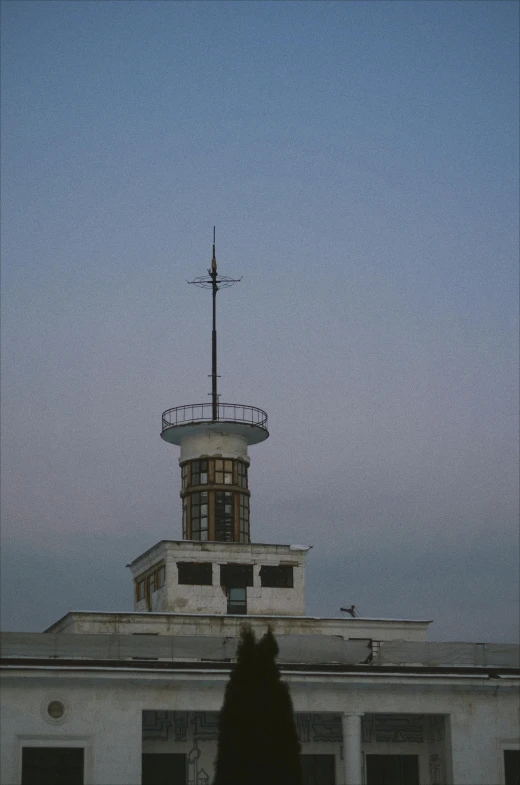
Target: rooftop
<point>217,545</point>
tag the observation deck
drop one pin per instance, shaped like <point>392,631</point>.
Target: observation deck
<point>235,419</point>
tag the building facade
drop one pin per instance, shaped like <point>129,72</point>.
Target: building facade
<point>128,698</point>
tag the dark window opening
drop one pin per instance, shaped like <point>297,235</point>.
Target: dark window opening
<point>223,472</point>
<point>277,577</point>
<point>195,573</point>
<point>147,585</point>
<point>214,471</point>
<point>199,516</point>
<point>140,590</point>
<point>244,518</point>
<point>237,600</point>
<point>236,576</point>
<point>199,473</point>
<point>512,767</point>
<point>185,518</point>
<point>163,768</point>
<point>318,769</point>
<point>224,516</point>
<point>242,474</point>
<point>56,765</point>
<point>392,770</point>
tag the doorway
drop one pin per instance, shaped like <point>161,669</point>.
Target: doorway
<point>512,767</point>
<point>392,769</point>
<point>318,769</point>
<point>52,765</point>
<point>163,768</point>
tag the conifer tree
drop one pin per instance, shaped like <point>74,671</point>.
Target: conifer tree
<point>258,743</point>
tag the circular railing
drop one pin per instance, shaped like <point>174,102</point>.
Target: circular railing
<point>203,412</point>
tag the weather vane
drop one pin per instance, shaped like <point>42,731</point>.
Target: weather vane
<point>214,281</point>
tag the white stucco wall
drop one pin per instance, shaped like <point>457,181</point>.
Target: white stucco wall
<point>105,714</point>
<point>178,598</point>
<point>480,730</point>
<point>213,443</point>
<point>107,722</point>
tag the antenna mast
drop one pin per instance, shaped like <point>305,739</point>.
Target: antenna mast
<point>214,282</point>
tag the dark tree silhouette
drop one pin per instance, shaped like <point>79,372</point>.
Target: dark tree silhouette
<point>257,744</point>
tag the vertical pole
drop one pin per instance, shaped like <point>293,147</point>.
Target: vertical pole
<point>214,398</point>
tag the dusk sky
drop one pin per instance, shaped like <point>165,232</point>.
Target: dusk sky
<point>360,163</point>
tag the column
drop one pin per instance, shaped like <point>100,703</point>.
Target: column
<point>352,748</point>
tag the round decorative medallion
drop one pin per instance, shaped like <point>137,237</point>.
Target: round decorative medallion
<point>56,710</point>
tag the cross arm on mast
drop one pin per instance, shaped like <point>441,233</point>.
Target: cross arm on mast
<point>214,282</point>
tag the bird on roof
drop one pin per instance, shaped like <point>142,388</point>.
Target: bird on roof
<point>351,610</point>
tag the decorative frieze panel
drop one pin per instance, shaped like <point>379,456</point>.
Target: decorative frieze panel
<point>180,725</point>
<point>393,728</point>
<point>436,765</point>
<point>437,758</point>
<point>157,725</point>
<point>319,727</point>
<point>303,727</point>
<point>436,728</point>
<point>196,775</point>
<point>205,725</point>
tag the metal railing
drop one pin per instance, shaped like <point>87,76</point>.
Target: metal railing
<point>203,412</point>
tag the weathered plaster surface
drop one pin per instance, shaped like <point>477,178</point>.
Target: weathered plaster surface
<point>177,598</point>
<point>105,715</point>
<point>229,626</point>
<point>213,443</point>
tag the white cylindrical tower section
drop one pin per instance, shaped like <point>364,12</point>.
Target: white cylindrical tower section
<point>214,443</point>
<point>214,465</point>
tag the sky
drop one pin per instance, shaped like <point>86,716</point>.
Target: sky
<point>360,163</point>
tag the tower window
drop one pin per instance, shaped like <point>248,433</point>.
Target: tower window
<point>199,515</point>
<point>199,473</point>
<point>146,585</point>
<point>237,600</point>
<point>241,474</point>
<point>224,516</point>
<point>195,573</point>
<point>236,578</point>
<point>277,577</point>
<point>223,472</point>
<point>215,500</point>
<point>244,517</point>
<point>185,518</point>
<point>214,471</point>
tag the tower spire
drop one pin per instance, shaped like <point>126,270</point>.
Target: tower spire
<point>214,259</point>
<point>214,439</point>
<point>214,282</point>
<point>214,287</point>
